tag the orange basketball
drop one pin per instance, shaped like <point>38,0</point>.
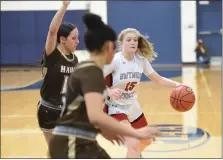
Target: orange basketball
<point>182,98</point>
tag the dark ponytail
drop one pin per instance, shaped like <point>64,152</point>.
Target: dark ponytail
<point>97,32</point>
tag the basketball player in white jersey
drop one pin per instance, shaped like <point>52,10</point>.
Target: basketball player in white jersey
<point>123,77</point>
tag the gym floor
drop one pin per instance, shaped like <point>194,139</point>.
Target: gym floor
<point>193,134</point>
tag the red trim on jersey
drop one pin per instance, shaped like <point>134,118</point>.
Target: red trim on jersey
<point>109,80</point>
<point>140,122</point>
<point>120,117</point>
<point>105,109</point>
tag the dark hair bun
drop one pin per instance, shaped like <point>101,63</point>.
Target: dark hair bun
<point>93,21</point>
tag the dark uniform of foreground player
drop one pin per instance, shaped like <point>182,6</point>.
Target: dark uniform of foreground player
<point>82,116</point>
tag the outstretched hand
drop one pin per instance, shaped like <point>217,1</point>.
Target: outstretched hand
<point>66,2</point>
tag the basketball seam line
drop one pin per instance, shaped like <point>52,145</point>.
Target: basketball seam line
<point>179,96</point>
<point>174,96</point>
<point>182,106</point>
<point>181,100</point>
<point>187,94</point>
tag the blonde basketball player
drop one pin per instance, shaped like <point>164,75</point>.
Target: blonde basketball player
<point>125,72</point>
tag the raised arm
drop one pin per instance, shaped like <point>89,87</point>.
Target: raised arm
<point>51,40</point>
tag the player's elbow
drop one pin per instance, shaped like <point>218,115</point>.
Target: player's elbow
<point>53,29</point>
<point>94,119</point>
<point>93,116</point>
<point>94,101</point>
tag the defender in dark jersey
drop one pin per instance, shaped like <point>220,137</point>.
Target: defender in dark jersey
<point>82,116</point>
<point>58,59</point>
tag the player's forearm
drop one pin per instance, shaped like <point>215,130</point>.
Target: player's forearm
<point>168,82</point>
<point>57,19</point>
<point>104,121</point>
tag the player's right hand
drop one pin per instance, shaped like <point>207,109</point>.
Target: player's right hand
<point>66,2</point>
<point>115,93</point>
<point>110,136</point>
<point>148,132</point>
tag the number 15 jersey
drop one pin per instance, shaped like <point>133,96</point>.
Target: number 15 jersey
<point>126,75</point>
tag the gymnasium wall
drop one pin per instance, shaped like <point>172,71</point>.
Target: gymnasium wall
<point>24,29</point>
<point>159,20</point>
<point>210,20</point>
<point>188,31</point>
<point>169,25</point>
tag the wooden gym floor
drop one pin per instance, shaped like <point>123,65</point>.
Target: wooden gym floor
<point>194,134</point>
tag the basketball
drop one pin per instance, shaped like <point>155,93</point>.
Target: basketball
<point>182,98</point>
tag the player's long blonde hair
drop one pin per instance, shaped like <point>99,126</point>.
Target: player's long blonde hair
<point>145,48</point>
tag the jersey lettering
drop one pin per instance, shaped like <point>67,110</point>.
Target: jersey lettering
<point>128,75</point>
<point>65,69</point>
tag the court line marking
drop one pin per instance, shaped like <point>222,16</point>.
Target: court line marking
<point>18,116</point>
<point>11,88</point>
<point>161,113</point>
<point>190,117</point>
<point>23,157</point>
<point>6,88</point>
<point>204,79</point>
<point>20,131</point>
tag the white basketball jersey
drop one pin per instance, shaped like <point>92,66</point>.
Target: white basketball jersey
<point>127,75</point>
